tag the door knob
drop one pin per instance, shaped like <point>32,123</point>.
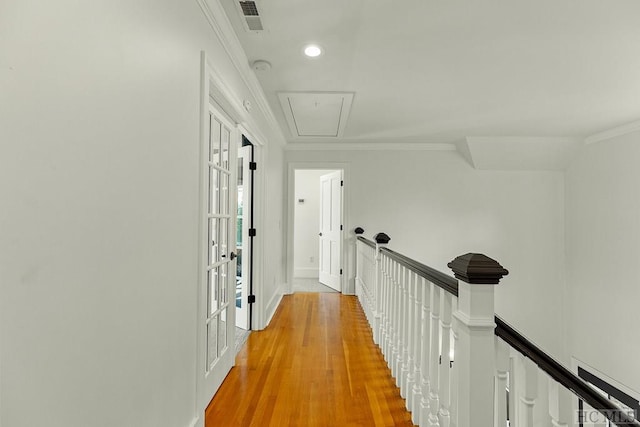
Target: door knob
<point>320,234</point>
<point>232,256</point>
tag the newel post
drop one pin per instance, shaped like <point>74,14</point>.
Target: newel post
<point>475,347</point>
<point>381,239</point>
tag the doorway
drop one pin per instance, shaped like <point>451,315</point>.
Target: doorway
<point>244,237</point>
<point>317,230</point>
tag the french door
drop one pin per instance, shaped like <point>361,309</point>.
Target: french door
<point>219,288</point>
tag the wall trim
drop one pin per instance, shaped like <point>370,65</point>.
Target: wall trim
<point>219,22</point>
<point>613,132</point>
<point>371,146</point>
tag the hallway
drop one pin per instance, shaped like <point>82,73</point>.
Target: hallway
<point>315,365</point>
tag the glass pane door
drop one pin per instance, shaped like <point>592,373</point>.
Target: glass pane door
<point>220,265</point>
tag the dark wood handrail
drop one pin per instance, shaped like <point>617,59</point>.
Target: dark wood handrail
<point>562,375</point>
<point>519,342</point>
<point>367,241</point>
<point>438,278</point>
<point>446,282</point>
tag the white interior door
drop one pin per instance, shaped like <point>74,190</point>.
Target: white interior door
<point>243,242</point>
<point>220,278</point>
<point>330,230</point>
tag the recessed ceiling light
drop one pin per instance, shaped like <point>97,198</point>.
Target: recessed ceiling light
<point>312,50</point>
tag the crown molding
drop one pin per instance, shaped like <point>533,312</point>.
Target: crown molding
<point>613,132</point>
<point>219,22</point>
<point>368,146</point>
<point>519,152</point>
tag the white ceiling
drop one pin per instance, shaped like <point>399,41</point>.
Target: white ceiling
<point>443,71</point>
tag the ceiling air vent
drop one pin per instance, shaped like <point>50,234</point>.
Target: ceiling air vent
<point>251,15</point>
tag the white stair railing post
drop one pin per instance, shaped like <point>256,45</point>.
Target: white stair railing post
<point>475,352</point>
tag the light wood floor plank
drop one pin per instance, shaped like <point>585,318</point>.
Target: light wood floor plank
<point>315,365</point>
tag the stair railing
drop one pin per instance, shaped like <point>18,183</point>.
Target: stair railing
<point>455,362</point>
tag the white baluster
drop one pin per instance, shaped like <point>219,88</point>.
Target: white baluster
<point>454,369</point>
<point>529,394</point>
<point>411,340</point>
<point>390,316</point>
<point>388,304</point>
<point>403,353</point>
<point>515,379</point>
<point>425,360</point>
<point>378,295</point>
<point>434,390</point>
<point>502,375</point>
<point>397,323</point>
<point>417,334</point>
<point>393,325</point>
<point>560,404</point>
<point>444,414</point>
<point>397,353</point>
<point>373,291</point>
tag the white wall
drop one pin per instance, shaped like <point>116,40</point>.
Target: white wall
<point>307,222</point>
<point>436,207</point>
<point>603,256</point>
<point>273,258</point>
<point>99,160</point>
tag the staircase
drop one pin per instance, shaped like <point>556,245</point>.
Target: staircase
<point>457,363</point>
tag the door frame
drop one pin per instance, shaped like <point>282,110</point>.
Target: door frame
<point>247,244</point>
<point>346,258</point>
<point>259,309</point>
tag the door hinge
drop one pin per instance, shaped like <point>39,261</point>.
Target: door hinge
<point>251,299</point>
<point>340,227</point>
<point>252,232</point>
<point>253,166</point>
<point>340,271</point>
<point>341,183</point>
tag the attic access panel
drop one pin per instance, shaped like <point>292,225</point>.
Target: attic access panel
<point>316,114</point>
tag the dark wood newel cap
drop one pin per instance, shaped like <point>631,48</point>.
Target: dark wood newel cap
<point>381,238</point>
<point>478,269</point>
<point>359,230</point>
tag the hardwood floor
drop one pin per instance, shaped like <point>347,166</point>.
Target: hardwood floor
<point>315,365</point>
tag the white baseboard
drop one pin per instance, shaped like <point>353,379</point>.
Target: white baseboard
<point>197,422</point>
<point>272,306</point>
<point>305,273</point>
<point>351,287</point>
